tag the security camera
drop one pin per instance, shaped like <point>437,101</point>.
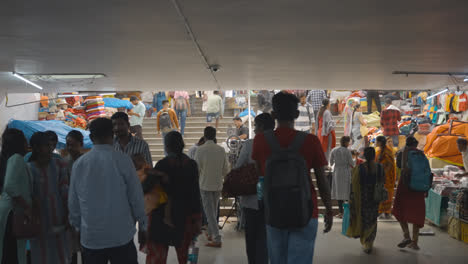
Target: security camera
<point>214,67</point>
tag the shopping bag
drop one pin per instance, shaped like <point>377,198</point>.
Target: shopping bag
<point>346,215</point>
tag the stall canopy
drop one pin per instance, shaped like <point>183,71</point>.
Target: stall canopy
<point>59,127</point>
<point>441,143</point>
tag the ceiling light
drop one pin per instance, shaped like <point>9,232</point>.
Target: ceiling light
<point>436,94</point>
<point>103,94</point>
<point>70,95</point>
<point>65,76</point>
<point>19,76</point>
<point>466,79</point>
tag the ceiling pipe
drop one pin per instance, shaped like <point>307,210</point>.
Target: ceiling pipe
<point>195,42</point>
<point>430,73</point>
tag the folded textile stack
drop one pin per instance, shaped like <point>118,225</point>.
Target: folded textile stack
<point>94,107</point>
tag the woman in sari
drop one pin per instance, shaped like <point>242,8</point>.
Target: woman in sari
<point>326,128</point>
<point>363,207</point>
<point>386,157</point>
<point>50,184</point>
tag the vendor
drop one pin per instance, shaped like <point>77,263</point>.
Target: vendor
<point>462,145</point>
<point>241,131</point>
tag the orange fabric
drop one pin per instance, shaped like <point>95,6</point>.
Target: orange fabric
<point>387,159</point>
<point>324,139</point>
<point>463,102</point>
<point>45,101</point>
<point>444,146</point>
<point>172,115</point>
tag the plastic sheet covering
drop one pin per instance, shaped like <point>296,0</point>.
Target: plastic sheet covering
<point>59,127</point>
<point>373,120</point>
<point>117,103</point>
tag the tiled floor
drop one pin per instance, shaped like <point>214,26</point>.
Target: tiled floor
<point>335,248</point>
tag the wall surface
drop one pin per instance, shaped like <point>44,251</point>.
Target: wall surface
<point>23,112</point>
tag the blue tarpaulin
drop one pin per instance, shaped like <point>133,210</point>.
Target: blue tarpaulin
<point>117,103</point>
<point>59,127</point>
<point>246,111</point>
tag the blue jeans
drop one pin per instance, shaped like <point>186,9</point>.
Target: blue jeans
<point>292,246</point>
<point>181,116</point>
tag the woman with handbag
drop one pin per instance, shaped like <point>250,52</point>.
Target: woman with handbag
<point>366,193</point>
<point>16,195</point>
<point>50,184</point>
<point>183,192</point>
<point>252,205</point>
<point>386,157</point>
<point>358,128</point>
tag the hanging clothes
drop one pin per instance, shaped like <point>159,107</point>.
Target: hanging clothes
<point>463,102</point>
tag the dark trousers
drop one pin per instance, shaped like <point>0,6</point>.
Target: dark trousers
<point>255,236</point>
<point>126,254</point>
<point>340,206</point>
<point>10,250</point>
<point>373,95</point>
<point>137,130</point>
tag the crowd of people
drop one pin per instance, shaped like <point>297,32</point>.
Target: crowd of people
<point>90,202</point>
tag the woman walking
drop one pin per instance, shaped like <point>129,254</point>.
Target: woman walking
<point>386,157</point>
<point>252,205</point>
<point>50,181</point>
<point>16,194</point>
<point>358,121</point>
<point>363,205</point>
<point>409,206</point>
<point>326,128</point>
<point>183,192</point>
<point>342,158</point>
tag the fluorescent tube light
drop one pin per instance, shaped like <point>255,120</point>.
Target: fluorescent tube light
<point>70,95</point>
<point>436,94</point>
<point>102,94</point>
<point>17,75</point>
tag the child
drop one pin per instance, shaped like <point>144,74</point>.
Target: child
<point>155,197</point>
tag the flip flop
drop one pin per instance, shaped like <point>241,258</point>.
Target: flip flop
<point>404,243</point>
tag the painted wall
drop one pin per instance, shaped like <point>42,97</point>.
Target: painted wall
<point>24,112</point>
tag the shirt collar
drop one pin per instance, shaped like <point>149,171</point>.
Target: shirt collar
<point>209,142</point>
<point>116,140</point>
<point>102,147</point>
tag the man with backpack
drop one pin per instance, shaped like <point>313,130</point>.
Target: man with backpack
<point>182,108</point>
<point>415,181</point>
<point>285,158</point>
<point>166,120</point>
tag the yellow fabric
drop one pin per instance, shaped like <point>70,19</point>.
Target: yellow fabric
<point>447,102</point>
<point>455,103</point>
<point>355,226</point>
<point>373,120</point>
<point>387,159</point>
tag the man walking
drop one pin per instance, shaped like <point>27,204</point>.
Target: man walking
<point>124,141</point>
<point>315,98</point>
<point>182,107</point>
<point>291,243</point>
<point>166,120</point>
<point>137,115</point>
<point>106,200</point>
<point>389,121</point>
<point>213,166</point>
<point>306,120</point>
<point>214,106</point>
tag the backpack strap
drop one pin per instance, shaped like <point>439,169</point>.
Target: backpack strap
<point>298,140</point>
<point>272,140</point>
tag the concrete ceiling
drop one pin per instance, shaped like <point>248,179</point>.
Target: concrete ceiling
<point>261,44</point>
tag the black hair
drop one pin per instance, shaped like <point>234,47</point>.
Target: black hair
<point>388,100</point>
<point>382,140</point>
<point>210,133</point>
<point>13,142</point>
<point>462,141</point>
<point>139,161</point>
<point>344,140</point>
<point>52,135</point>
<point>201,141</point>
<point>413,142</point>
<point>76,135</point>
<point>133,98</point>
<point>174,142</point>
<point>101,128</point>
<point>266,121</point>
<point>285,106</point>
<point>237,118</point>
<point>120,115</point>
<point>302,94</point>
<point>325,103</point>
<point>369,155</point>
<point>38,139</point>
<point>356,107</point>
<point>165,102</point>
<point>215,92</point>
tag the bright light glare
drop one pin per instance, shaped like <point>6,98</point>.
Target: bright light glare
<point>26,80</point>
<point>436,94</point>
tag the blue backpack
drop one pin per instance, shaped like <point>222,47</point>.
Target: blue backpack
<point>419,172</point>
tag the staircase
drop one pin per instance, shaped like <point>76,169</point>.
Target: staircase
<point>194,127</point>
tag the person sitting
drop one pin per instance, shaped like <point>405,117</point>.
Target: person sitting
<point>241,131</point>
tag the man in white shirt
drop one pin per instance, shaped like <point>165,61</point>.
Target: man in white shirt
<point>306,120</point>
<point>214,106</point>
<point>213,166</point>
<point>105,201</point>
<point>137,114</point>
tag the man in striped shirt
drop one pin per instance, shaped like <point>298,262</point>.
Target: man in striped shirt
<point>124,141</point>
<point>306,120</point>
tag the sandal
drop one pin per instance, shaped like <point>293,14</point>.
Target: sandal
<point>413,245</point>
<point>404,243</point>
